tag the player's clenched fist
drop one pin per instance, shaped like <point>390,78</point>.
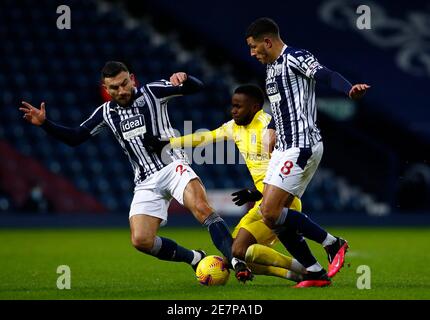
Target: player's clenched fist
<point>178,78</point>
<point>33,115</point>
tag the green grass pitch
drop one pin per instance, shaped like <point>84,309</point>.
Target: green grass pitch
<point>104,265</point>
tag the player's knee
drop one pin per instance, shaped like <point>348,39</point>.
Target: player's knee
<point>142,242</point>
<point>269,217</point>
<point>264,209</point>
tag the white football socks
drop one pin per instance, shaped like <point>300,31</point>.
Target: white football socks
<point>235,261</point>
<point>297,267</point>
<point>197,257</point>
<point>314,268</point>
<point>328,240</point>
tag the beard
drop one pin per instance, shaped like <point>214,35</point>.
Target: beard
<point>123,101</point>
<point>243,121</point>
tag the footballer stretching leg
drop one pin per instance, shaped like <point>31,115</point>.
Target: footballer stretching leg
<point>253,241</point>
<point>156,181</point>
<point>144,238</point>
<point>266,261</point>
<point>149,211</point>
<point>290,225</point>
<point>195,200</point>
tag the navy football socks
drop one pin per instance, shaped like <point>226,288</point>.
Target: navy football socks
<point>296,245</point>
<point>166,249</point>
<point>300,222</point>
<point>220,234</point>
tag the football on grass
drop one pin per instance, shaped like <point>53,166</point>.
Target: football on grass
<point>212,271</point>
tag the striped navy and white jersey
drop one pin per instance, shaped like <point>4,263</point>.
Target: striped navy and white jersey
<point>290,86</point>
<point>146,114</point>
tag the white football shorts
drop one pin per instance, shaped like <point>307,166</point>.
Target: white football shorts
<point>293,169</point>
<point>152,197</point>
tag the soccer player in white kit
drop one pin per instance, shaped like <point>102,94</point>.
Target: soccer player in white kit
<point>291,75</point>
<point>137,116</point>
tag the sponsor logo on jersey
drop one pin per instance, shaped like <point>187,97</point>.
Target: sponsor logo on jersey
<point>273,92</point>
<point>253,156</point>
<point>133,127</point>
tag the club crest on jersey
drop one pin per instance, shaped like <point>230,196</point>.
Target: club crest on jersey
<point>140,102</point>
<point>133,127</point>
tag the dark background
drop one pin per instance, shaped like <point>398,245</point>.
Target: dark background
<point>375,161</point>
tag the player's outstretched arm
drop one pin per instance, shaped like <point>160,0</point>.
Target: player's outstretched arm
<point>358,90</point>
<point>157,145</point>
<point>335,81</point>
<point>197,139</point>
<point>179,84</point>
<point>33,115</point>
<point>189,83</point>
<point>70,136</point>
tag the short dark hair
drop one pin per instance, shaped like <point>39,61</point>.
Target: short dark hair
<point>252,91</point>
<point>113,68</point>
<point>261,27</point>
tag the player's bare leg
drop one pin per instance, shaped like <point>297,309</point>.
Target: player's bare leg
<point>244,239</point>
<point>274,201</point>
<point>195,199</point>
<point>143,229</point>
<point>144,238</point>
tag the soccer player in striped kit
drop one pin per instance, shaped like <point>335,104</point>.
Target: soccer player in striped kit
<point>291,74</point>
<point>253,240</point>
<point>135,117</point>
